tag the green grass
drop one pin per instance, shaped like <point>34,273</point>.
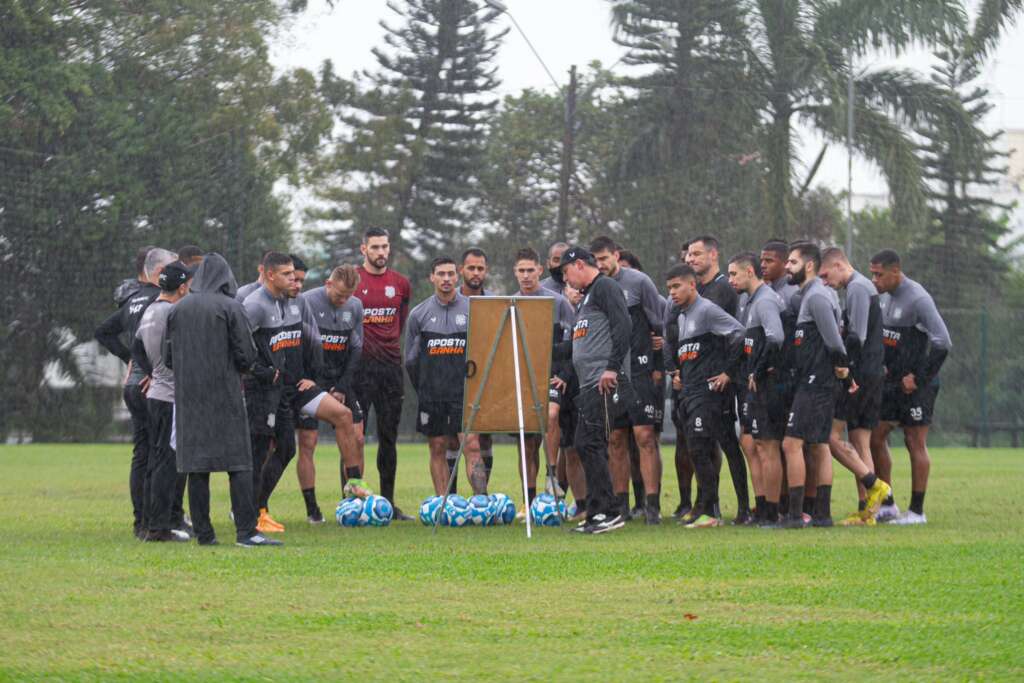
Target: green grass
<point>81,599</point>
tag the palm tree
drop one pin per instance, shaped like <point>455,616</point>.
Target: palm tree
<point>800,52</point>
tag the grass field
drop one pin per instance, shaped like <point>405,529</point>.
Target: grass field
<point>81,599</point>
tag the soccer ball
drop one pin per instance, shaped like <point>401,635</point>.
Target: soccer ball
<point>503,510</point>
<point>349,511</point>
<point>456,512</point>
<point>546,511</point>
<point>480,513</point>
<point>377,511</point>
<point>572,511</point>
<point>430,510</point>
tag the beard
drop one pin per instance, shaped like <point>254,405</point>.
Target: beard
<point>379,262</point>
<point>556,275</point>
<point>797,278</point>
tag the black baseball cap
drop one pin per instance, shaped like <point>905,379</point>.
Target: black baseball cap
<point>578,254</point>
<point>174,275</point>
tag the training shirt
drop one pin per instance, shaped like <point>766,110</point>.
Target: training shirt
<point>151,334</point>
<point>285,336</point>
<point>385,300</point>
<point>862,325</point>
<point>435,348</point>
<point>702,341</point>
<point>551,284</point>
<point>915,336</point>
<point>818,346</point>
<point>646,312</point>
<point>762,344</point>
<point>601,333</point>
<point>341,337</point>
<point>125,321</point>
<point>245,290</point>
<point>718,291</point>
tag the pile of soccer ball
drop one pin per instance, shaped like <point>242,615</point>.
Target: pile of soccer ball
<point>492,510</point>
<point>361,507</point>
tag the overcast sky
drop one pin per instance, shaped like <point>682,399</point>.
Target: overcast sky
<point>567,32</point>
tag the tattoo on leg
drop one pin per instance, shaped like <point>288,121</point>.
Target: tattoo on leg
<point>478,477</point>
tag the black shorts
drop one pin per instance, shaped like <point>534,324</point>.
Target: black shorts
<point>621,404</point>
<point>439,418</point>
<point>810,416</point>
<point>659,406</point>
<point>566,414</point>
<point>306,422</point>
<point>705,418</point>
<point>909,410</point>
<point>763,414</point>
<point>863,409</point>
<point>643,409</point>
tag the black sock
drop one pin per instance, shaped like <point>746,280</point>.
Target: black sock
<point>531,493</point>
<point>638,492</point>
<point>488,459</point>
<point>759,502</point>
<point>917,502</point>
<point>623,499</point>
<point>869,480</point>
<point>808,506</point>
<point>796,501</point>
<point>862,505</point>
<point>581,506</point>
<point>771,512</point>
<point>784,502</point>
<point>685,497</point>
<point>353,473</point>
<point>309,495</point>
<point>889,501</point>
<point>654,501</point>
<point>823,503</point>
<point>564,485</point>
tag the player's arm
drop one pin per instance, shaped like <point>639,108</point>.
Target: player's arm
<point>412,350</point>
<point>769,315</point>
<point>262,367</point>
<point>403,308</point>
<point>312,348</point>
<point>242,346</point>
<point>858,306</point>
<point>355,352</point>
<point>939,342</point>
<point>108,334</point>
<point>824,319</point>
<point>609,298</point>
<point>728,328</point>
<point>670,332</point>
<point>139,357</point>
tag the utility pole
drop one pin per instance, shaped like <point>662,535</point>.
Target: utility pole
<point>568,153</point>
<point>849,160</point>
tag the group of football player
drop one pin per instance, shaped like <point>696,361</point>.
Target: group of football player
<point>784,361</point>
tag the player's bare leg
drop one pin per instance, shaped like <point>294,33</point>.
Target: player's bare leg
<point>754,464</point>
<point>333,411</point>
<point>305,468</point>
<point>618,467</point>
<point>476,472</point>
<point>770,459</point>
<point>650,468</point>
<point>882,458</point>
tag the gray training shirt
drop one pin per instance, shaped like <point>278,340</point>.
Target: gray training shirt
<point>916,338</point>
<point>152,331</point>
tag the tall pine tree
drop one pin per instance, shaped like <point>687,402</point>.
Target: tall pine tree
<point>411,152</point>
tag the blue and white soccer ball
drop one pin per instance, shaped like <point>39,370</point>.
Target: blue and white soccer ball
<point>348,511</point>
<point>480,513</point>
<point>456,512</point>
<point>572,510</point>
<point>503,510</point>
<point>546,511</point>
<point>430,510</point>
<point>377,511</point>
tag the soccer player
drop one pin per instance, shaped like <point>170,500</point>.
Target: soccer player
<point>762,415</point>
<point>378,382</point>
<point>858,413</point>
<point>290,353</point>
<point>703,349</point>
<point>125,320</point>
<point>916,345</point>
<point>209,347</point>
<point>646,312</point>
<point>435,358</point>
<point>339,319</point>
<point>821,368</point>
<point>527,270</point>
<point>555,282</point>
<point>473,273</point>
<point>600,353</point>
<point>162,479</point>
<point>712,284</point>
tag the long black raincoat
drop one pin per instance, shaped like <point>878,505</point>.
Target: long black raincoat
<point>209,347</point>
